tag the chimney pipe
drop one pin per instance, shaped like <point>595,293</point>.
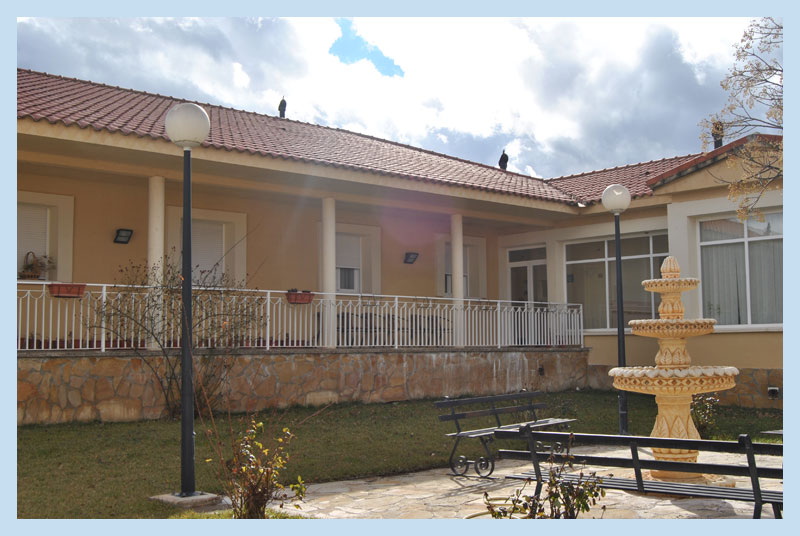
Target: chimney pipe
<point>717,132</point>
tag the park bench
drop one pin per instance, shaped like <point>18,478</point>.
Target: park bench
<point>522,402</point>
<point>557,453</point>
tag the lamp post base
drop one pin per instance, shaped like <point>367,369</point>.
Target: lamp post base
<point>195,500</point>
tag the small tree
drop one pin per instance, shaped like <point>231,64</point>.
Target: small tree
<point>143,312</point>
<point>755,103</point>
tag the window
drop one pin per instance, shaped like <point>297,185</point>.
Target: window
<point>348,263</point>
<point>32,233</point>
<point>219,244</point>
<point>742,270</point>
<point>45,227</point>
<point>528,274</point>
<point>448,269</point>
<point>591,278</point>
<point>208,252</point>
<point>474,266</point>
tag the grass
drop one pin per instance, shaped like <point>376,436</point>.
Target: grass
<point>109,470</point>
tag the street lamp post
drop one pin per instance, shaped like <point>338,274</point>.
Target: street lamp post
<point>187,125</point>
<point>617,198</point>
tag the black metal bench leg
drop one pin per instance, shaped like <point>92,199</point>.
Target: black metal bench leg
<point>757,510</point>
<point>484,466</point>
<point>459,467</point>
<point>777,510</point>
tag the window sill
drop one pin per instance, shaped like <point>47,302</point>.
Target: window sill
<point>754,328</point>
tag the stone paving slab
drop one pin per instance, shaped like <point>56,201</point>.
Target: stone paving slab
<point>435,494</point>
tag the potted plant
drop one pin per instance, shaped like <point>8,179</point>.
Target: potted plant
<point>293,296</point>
<point>34,266</point>
<point>66,290</point>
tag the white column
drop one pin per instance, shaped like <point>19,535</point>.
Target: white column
<point>155,251</point>
<point>329,269</point>
<point>155,226</point>
<point>457,282</point>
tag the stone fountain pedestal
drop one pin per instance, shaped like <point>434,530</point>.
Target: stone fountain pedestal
<point>674,379</point>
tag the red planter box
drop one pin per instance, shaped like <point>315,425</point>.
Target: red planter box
<point>66,290</point>
<point>299,297</point>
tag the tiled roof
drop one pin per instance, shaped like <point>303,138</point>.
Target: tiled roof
<point>83,104</point>
<point>588,187</point>
<point>706,158</point>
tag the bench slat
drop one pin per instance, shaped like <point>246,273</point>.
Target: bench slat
<point>486,399</point>
<point>677,488</point>
<point>490,411</point>
<point>772,449</point>
<point>541,423</point>
<point>662,465</point>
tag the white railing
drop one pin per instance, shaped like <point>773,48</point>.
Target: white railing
<point>108,317</point>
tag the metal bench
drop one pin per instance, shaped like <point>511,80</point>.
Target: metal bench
<point>557,453</point>
<point>521,402</point>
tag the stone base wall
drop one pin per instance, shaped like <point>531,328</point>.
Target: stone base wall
<point>58,388</point>
<point>751,389</point>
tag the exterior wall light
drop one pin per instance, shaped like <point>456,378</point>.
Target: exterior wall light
<point>411,257</point>
<point>123,236</point>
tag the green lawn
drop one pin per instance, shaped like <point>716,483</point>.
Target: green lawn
<point>109,470</point>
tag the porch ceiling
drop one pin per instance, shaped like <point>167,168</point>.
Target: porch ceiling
<point>262,176</point>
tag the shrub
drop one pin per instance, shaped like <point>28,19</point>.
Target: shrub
<point>251,478</point>
<point>704,412</point>
<point>564,500</point>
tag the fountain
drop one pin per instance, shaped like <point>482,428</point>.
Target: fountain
<point>674,379</point>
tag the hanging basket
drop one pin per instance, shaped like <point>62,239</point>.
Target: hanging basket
<point>66,290</point>
<point>300,297</point>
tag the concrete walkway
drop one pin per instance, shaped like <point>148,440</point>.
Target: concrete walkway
<point>436,494</point>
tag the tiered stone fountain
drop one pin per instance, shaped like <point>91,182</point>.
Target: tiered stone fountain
<point>674,379</point>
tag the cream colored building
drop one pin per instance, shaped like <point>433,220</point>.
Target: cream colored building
<point>285,204</point>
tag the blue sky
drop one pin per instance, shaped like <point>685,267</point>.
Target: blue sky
<point>351,47</point>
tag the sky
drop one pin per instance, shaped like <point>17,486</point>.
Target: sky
<point>560,96</point>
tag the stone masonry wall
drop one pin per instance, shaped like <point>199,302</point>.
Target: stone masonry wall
<point>58,388</point>
<point>750,391</point>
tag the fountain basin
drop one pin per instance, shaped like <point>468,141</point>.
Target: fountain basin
<point>674,381</point>
<point>679,284</point>
<point>668,328</point>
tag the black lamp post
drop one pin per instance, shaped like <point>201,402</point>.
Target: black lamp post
<point>187,125</point>
<point>617,198</point>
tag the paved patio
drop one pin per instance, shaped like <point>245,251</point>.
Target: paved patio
<point>435,494</point>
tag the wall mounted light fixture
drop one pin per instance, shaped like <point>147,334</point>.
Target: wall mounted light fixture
<point>123,236</point>
<point>411,257</point>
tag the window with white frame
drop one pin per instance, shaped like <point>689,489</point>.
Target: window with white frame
<point>33,222</point>
<point>448,269</point>
<point>741,266</point>
<point>208,251</point>
<point>219,245</point>
<point>591,278</point>
<point>348,263</point>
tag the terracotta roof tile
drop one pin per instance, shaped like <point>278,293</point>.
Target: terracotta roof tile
<point>44,97</point>
<point>588,187</point>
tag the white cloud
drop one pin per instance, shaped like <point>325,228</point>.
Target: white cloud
<point>240,78</point>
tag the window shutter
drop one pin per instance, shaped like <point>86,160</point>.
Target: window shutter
<point>348,251</point>
<point>31,231</point>
<point>207,250</point>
